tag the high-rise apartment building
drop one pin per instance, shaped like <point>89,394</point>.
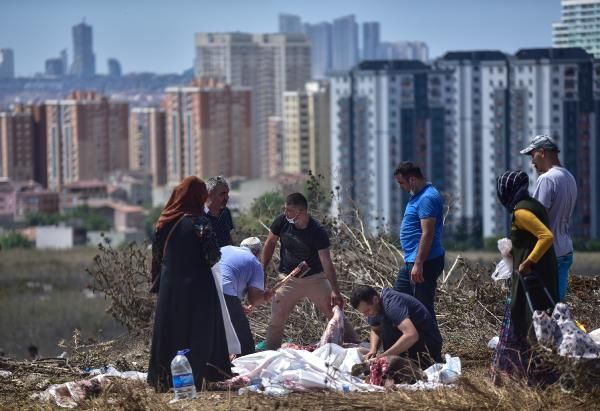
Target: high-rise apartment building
<point>478,83</point>
<point>319,36</point>
<point>579,26</point>
<point>209,128</point>
<point>7,64</point>
<point>16,146</point>
<point>147,143</point>
<point>384,112</point>
<point>87,138</point>
<point>371,39</point>
<point>38,111</point>
<point>500,103</point>
<point>556,92</point>
<point>290,23</point>
<point>54,67</point>
<point>114,68</point>
<point>403,50</point>
<point>275,144</point>
<point>306,131</point>
<point>84,60</point>
<point>269,64</point>
<point>344,43</point>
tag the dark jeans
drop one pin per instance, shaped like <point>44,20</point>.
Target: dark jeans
<point>425,291</point>
<point>240,324</point>
<point>426,351</point>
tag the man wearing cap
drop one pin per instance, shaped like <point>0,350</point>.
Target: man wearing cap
<point>556,189</point>
<point>242,275</point>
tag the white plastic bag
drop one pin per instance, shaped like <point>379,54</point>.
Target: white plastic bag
<point>504,267</point>
<point>447,373</point>
<point>493,342</point>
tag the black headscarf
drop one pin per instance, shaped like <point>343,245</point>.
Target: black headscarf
<point>512,187</point>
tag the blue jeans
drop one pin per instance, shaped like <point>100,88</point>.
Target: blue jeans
<point>425,291</point>
<point>564,263</point>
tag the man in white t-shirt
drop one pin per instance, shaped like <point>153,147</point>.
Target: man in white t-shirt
<point>556,189</point>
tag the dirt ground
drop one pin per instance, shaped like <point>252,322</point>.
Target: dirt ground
<point>469,313</point>
<point>465,331</point>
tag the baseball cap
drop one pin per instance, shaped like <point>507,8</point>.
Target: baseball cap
<point>542,141</point>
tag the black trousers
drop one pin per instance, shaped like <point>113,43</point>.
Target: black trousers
<point>240,324</point>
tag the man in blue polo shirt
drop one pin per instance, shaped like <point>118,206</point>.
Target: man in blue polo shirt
<point>420,236</point>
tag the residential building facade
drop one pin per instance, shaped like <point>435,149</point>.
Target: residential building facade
<point>579,26</point>
<point>147,142</point>
<point>209,129</point>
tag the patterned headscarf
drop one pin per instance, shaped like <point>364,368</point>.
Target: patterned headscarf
<point>512,187</point>
<point>187,198</point>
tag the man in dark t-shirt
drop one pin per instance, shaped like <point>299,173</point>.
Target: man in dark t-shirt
<point>400,323</point>
<point>216,209</point>
<point>301,238</point>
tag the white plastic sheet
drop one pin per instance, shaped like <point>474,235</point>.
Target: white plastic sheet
<point>72,394</point>
<point>329,367</point>
<point>233,343</point>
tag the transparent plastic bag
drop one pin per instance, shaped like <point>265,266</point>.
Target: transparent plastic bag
<point>504,268</point>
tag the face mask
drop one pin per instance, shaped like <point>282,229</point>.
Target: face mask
<point>411,191</point>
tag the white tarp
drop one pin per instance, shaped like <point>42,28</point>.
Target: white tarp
<point>327,368</point>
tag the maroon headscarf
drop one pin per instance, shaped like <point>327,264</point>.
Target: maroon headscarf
<point>187,198</point>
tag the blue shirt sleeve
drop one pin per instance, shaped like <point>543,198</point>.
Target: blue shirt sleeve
<point>428,207</point>
<point>257,279</point>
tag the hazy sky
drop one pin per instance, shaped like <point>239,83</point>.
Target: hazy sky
<point>157,35</point>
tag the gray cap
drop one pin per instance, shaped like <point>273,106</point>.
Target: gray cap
<point>542,141</point>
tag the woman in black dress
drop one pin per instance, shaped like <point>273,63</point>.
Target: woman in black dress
<point>188,314</point>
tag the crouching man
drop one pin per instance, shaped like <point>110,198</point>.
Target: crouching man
<point>242,275</point>
<point>401,323</point>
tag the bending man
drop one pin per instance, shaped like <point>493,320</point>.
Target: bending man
<point>242,275</point>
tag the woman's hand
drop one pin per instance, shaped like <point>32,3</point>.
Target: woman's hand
<point>525,267</point>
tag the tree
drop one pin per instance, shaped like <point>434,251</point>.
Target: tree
<point>262,211</point>
<point>37,219</point>
<point>90,220</point>
<point>317,193</point>
<point>151,220</point>
<point>267,205</point>
<point>14,239</point>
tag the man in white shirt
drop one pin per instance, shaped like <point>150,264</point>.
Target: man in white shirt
<point>556,189</point>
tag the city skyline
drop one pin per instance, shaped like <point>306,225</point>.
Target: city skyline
<point>38,30</point>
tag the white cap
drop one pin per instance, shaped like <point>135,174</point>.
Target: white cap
<point>253,244</point>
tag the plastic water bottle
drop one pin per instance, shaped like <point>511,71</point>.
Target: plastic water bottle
<point>183,378</point>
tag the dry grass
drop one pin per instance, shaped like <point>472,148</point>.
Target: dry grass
<point>470,308</point>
